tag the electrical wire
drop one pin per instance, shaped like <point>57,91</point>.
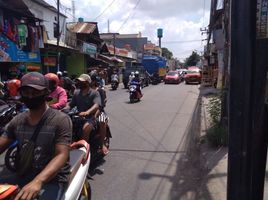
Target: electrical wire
<point>104,10</point>
<point>180,41</point>
<point>129,15</point>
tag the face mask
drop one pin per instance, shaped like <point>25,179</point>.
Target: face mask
<point>33,103</point>
<point>52,88</point>
<point>82,86</point>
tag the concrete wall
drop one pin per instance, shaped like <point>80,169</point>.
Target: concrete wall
<point>49,17</point>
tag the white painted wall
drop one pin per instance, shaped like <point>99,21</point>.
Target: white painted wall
<point>49,18</point>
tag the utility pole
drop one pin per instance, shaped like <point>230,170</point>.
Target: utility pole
<point>248,110</point>
<point>108,26</point>
<point>73,9</point>
<point>58,35</point>
<point>114,42</point>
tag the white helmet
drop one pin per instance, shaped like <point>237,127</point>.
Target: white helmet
<point>59,73</point>
<point>132,73</point>
<point>136,73</point>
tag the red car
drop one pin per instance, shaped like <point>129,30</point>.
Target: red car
<point>192,76</point>
<point>172,77</point>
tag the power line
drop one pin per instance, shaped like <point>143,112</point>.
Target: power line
<point>104,10</point>
<point>181,41</point>
<point>129,15</point>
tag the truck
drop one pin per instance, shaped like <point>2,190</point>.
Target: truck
<point>155,66</point>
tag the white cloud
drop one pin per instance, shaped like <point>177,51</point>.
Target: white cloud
<point>181,20</point>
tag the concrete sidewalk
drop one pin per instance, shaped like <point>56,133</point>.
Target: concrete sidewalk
<point>215,160</point>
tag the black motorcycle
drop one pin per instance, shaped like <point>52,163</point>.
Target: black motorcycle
<point>134,94</point>
<point>94,139</point>
<point>114,85</point>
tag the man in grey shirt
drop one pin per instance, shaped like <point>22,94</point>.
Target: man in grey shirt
<point>50,168</point>
<point>87,102</point>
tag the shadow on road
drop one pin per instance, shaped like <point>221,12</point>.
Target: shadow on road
<point>192,174</point>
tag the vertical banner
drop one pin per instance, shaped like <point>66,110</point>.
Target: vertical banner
<point>262,19</point>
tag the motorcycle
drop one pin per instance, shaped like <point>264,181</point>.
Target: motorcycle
<point>114,84</point>
<point>78,186</point>
<point>7,111</point>
<point>134,94</point>
<point>94,139</point>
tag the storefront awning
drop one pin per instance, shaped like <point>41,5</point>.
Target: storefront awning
<point>110,59</point>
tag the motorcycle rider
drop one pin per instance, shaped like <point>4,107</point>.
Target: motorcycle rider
<point>57,94</point>
<point>115,78</point>
<point>66,83</point>
<point>87,102</point>
<point>100,115</point>
<point>49,170</point>
<point>131,76</point>
<point>136,81</point>
<point>12,86</point>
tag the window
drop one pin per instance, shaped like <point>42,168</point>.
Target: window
<point>220,4</point>
<point>55,30</point>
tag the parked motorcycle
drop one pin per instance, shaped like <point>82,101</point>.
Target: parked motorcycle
<point>78,187</point>
<point>134,94</point>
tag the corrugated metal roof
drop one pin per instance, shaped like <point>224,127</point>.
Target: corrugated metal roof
<point>82,27</point>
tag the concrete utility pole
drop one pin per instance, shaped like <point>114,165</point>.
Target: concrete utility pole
<point>73,9</point>
<point>248,110</point>
<point>58,35</point>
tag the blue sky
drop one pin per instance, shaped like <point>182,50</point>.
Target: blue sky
<point>181,20</point>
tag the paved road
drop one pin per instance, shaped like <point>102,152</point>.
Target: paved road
<point>148,140</point>
<point>148,145</point>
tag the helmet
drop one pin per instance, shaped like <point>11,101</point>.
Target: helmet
<point>136,73</point>
<point>51,77</point>
<point>132,73</point>
<point>65,73</point>
<point>59,73</point>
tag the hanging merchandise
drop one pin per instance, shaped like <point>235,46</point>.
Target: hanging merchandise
<point>40,36</point>
<point>1,20</point>
<point>23,34</point>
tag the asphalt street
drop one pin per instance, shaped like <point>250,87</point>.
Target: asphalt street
<point>148,141</point>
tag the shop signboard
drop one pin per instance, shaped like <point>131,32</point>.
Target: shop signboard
<point>118,51</point>
<point>89,49</point>
<point>10,52</point>
<point>149,47</point>
<point>50,61</point>
<point>262,19</point>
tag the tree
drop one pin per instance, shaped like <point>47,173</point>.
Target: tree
<point>193,59</point>
<point>166,53</point>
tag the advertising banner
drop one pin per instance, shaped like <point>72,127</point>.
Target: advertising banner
<point>262,19</point>
<point>10,52</point>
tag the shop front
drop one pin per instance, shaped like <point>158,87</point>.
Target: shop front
<point>20,41</point>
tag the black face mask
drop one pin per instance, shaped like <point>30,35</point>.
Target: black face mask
<point>82,86</point>
<point>52,86</point>
<point>34,103</point>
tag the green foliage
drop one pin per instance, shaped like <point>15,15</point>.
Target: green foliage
<point>166,53</point>
<point>192,60</point>
<point>214,109</point>
<point>216,134</point>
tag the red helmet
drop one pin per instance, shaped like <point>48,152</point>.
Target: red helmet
<point>52,78</point>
